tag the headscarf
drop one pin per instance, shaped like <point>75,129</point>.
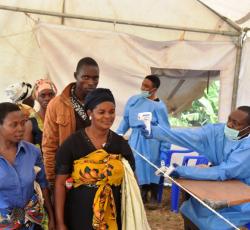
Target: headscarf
<point>41,85</point>
<point>98,96</point>
<point>18,92</point>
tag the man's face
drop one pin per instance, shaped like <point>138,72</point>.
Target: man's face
<point>87,79</point>
<point>238,120</point>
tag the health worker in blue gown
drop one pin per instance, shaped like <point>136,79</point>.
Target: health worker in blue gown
<point>227,146</point>
<point>147,101</point>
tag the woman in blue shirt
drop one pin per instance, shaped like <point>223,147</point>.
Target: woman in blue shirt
<point>21,171</point>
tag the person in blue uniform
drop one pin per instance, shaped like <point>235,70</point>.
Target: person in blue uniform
<point>147,101</point>
<point>227,146</point>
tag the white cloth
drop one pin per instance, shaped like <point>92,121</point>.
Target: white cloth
<point>18,92</point>
<point>133,213</point>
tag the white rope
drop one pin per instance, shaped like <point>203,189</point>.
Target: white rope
<point>197,198</point>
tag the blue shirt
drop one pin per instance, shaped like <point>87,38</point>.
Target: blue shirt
<point>17,180</point>
<point>230,160</point>
<point>150,148</point>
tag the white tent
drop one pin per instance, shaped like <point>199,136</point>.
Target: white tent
<point>129,39</point>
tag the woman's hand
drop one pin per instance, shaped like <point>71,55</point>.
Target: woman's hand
<point>61,227</point>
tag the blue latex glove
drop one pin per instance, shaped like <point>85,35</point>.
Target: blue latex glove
<point>174,174</point>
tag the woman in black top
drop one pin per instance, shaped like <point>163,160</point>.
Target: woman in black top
<point>74,208</point>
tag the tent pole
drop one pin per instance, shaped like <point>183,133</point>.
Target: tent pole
<point>122,22</point>
<point>225,19</point>
<point>236,72</point>
<point>63,11</point>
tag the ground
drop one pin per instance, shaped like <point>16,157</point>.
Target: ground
<point>163,218</point>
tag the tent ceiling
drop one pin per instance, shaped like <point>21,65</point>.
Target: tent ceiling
<point>150,11</point>
<point>21,57</point>
<point>237,11</point>
<point>163,12</point>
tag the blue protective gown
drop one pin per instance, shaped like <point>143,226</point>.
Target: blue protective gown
<point>230,160</point>
<point>150,148</point>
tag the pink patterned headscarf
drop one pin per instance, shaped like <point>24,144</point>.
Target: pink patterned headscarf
<point>41,85</point>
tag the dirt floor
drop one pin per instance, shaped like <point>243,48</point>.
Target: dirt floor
<point>163,218</point>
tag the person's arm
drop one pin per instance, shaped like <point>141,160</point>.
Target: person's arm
<point>28,132</point>
<point>50,141</point>
<point>60,196</point>
<point>235,167</point>
<point>41,179</point>
<point>124,124</point>
<point>191,138</point>
<point>48,206</point>
<point>161,115</point>
<point>64,164</point>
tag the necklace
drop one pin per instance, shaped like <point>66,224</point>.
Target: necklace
<point>98,141</point>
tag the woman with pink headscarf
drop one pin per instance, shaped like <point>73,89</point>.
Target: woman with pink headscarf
<point>44,90</point>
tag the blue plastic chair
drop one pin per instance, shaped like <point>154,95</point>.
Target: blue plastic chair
<point>247,226</point>
<point>165,161</point>
<point>175,190</point>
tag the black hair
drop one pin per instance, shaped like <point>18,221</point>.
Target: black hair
<point>155,80</point>
<point>86,61</point>
<point>6,108</point>
<point>245,109</point>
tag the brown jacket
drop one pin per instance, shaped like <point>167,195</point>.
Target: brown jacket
<point>59,123</point>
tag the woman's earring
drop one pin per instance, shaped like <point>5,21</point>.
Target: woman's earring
<point>90,118</point>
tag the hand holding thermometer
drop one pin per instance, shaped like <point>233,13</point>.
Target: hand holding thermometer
<point>146,117</point>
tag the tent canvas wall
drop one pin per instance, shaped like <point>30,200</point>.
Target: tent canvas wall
<point>125,59</point>
<point>126,52</point>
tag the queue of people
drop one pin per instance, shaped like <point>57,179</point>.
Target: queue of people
<point>86,176</point>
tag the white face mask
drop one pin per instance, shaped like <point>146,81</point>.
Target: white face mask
<point>233,134</point>
<point>145,93</point>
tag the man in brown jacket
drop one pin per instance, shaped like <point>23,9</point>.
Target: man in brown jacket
<point>65,113</point>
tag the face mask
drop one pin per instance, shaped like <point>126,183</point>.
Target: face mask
<point>232,134</point>
<point>145,93</point>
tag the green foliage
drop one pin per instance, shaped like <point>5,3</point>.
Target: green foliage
<point>204,110</point>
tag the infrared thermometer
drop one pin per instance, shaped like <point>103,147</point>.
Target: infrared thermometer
<point>146,117</point>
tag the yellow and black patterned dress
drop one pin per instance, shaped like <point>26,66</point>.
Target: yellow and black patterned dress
<point>79,206</point>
